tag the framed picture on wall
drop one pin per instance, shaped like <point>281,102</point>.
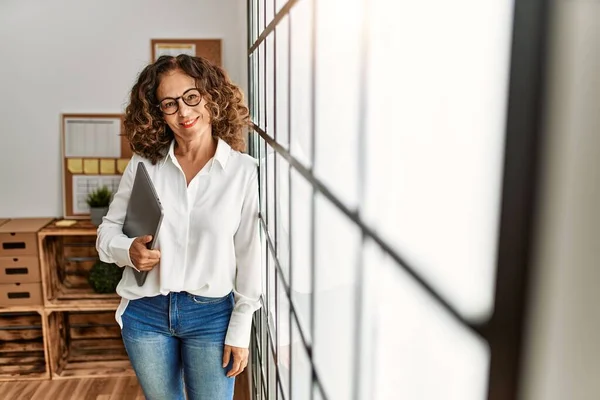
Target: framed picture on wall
<point>207,48</point>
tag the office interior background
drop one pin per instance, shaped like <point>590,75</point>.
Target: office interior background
<point>428,176</point>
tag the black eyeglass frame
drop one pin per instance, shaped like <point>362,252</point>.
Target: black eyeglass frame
<point>182,97</point>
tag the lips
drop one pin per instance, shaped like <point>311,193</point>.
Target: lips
<point>189,123</point>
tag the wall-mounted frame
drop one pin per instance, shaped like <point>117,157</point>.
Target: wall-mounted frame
<point>207,48</point>
<point>94,154</point>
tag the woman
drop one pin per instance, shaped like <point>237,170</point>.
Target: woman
<point>191,318</point>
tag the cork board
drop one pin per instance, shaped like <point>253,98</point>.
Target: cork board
<point>207,48</point>
<point>94,154</point>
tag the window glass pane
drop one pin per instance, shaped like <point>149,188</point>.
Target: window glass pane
<point>265,281</point>
<point>263,171</point>
<point>279,4</point>
<point>272,374</point>
<point>261,16</point>
<point>255,142</point>
<point>266,346</point>
<point>253,84</point>
<point>301,367</point>
<point>270,8</point>
<point>337,99</point>
<point>283,215</point>
<point>283,336</point>
<point>337,245</point>
<point>262,103</point>
<point>273,297</point>
<point>301,247</point>
<point>256,85</point>
<point>270,77</point>
<point>253,21</point>
<point>438,128</point>
<point>300,102</point>
<point>282,81</point>
<point>415,342</point>
<point>271,188</point>
<point>317,393</point>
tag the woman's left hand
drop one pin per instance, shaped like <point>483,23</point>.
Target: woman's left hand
<point>240,359</point>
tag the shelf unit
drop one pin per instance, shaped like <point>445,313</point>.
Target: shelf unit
<point>86,344</point>
<point>23,349</point>
<point>84,340</point>
<point>66,256</point>
<point>52,324</point>
<point>23,339</point>
<point>72,333</point>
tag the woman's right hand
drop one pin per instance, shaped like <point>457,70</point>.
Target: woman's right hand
<point>142,258</point>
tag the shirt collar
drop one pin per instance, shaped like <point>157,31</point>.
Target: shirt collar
<point>170,154</point>
<point>221,155</point>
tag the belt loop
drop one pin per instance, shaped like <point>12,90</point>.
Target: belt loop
<point>171,313</point>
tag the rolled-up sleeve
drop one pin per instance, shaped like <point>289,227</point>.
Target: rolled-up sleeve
<point>111,243</point>
<point>247,289</point>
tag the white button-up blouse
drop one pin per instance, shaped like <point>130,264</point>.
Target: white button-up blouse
<point>208,240</point>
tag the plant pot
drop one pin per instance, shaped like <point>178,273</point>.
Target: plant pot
<point>96,214</point>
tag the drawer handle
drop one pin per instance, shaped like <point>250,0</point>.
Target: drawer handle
<point>13,246</point>
<point>19,295</point>
<point>17,271</point>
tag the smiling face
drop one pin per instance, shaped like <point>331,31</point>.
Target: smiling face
<point>189,122</point>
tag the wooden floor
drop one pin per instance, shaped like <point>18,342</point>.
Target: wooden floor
<point>126,388</point>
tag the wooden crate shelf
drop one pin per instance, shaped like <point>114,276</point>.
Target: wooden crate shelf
<point>66,258</point>
<point>86,345</point>
<point>72,333</point>
<point>23,354</point>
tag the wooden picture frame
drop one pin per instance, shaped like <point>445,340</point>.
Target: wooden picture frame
<point>207,48</point>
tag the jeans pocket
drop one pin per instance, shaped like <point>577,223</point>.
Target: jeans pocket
<point>207,300</point>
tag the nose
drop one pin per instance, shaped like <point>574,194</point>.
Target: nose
<point>184,109</point>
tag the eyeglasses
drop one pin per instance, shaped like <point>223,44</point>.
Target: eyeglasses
<point>170,105</point>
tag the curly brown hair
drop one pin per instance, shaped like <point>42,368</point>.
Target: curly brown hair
<point>148,134</point>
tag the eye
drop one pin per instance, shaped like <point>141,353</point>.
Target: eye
<point>192,97</point>
<point>168,104</point>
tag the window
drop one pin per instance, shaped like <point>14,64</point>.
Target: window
<point>396,143</point>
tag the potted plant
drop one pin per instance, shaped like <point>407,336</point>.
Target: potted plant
<point>104,277</point>
<point>98,200</point>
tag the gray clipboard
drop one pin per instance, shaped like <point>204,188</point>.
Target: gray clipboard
<point>144,213</point>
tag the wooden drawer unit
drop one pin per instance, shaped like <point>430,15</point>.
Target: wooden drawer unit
<point>13,243</point>
<point>18,236</point>
<point>19,269</point>
<point>21,294</point>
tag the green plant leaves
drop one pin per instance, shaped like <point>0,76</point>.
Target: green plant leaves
<point>99,197</point>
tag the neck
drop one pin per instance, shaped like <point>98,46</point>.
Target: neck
<point>197,148</point>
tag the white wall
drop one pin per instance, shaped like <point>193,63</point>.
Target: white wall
<point>84,56</point>
<point>562,358</point>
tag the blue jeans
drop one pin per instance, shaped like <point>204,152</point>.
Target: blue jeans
<point>176,337</point>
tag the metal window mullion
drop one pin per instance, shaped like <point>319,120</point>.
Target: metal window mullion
<point>285,10</point>
<point>362,112</point>
<point>290,246</point>
<point>313,62</point>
